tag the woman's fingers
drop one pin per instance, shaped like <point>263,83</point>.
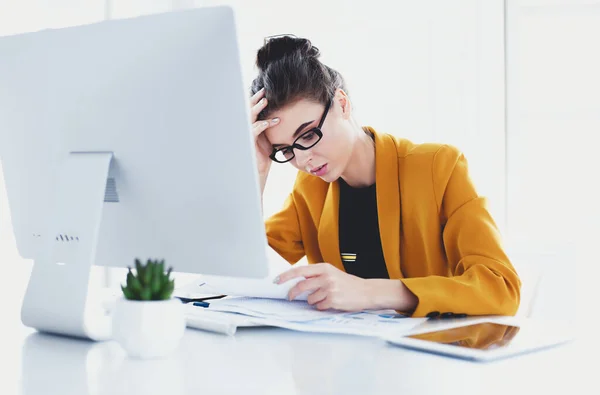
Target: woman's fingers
<point>257,96</point>
<point>325,304</point>
<point>258,102</point>
<point>305,271</point>
<point>260,126</point>
<point>258,107</point>
<point>316,297</point>
<point>309,285</point>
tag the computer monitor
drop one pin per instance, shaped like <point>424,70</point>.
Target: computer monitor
<point>127,139</point>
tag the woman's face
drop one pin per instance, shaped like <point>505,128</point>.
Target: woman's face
<point>329,157</point>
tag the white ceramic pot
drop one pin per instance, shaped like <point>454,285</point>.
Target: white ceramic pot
<point>148,329</point>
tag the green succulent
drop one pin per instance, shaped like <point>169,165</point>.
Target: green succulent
<point>150,281</point>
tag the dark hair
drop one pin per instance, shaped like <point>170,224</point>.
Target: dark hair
<point>290,70</point>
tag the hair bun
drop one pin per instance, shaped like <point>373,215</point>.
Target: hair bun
<point>282,46</point>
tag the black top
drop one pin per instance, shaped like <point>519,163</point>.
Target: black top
<point>360,243</point>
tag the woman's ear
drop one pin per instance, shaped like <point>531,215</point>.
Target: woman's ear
<point>343,100</point>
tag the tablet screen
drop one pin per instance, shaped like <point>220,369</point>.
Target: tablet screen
<point>482,336</point>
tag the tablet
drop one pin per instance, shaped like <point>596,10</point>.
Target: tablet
<point>485,341</point>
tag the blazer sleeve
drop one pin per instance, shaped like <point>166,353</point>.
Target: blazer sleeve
<point>283,232</point>
<point>482,280</point>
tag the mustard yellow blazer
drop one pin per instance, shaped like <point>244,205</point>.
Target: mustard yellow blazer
<point>437,234</point>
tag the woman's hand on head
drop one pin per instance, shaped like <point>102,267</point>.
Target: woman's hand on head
<point>263,147</point>
<point>329,287</point>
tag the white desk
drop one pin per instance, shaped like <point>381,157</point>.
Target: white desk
<point>275,361</point>
<point>272,361</point>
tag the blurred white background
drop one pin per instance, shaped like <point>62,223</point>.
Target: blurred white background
<point>514,84</point>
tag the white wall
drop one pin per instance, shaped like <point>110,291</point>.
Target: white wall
<point>425,70</point>
<point>553,135</point>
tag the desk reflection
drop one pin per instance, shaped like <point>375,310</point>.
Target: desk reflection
<point>339,367</point>
<point>60,365</point>
<point>255,361</point>
<point>481,336</point>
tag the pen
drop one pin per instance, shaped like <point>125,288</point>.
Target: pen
<point>188,300</point>
<point>392,315</point>
<point>435,315</point>
<point>201,304</point>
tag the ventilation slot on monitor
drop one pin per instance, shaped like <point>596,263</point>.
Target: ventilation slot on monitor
<point>110,194</point>
<point>67,238</point>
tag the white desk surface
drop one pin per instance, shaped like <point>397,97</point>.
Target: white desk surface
<point>274,361</point>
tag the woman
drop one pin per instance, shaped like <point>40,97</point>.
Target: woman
<point>383,222</point>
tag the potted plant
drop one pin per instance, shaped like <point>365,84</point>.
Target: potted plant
<point>148,322</point>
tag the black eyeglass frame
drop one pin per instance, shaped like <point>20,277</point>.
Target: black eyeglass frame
<point>316,130</point>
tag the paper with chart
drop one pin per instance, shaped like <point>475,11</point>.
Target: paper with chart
<point>299,315</point>
<point>363,324</point>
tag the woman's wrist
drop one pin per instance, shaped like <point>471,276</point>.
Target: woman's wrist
<point>391,294</point>
<point>263,174</point>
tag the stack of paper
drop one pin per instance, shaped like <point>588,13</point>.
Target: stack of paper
<point>299,315</point>
<point>295,310</point>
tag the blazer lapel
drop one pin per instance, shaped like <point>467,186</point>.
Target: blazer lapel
<point>329,242</point>
<point>388,201</point>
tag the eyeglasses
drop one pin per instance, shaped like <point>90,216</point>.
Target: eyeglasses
<point>305,141</point>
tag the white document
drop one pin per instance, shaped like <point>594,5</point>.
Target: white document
<point>300,316</point>
<point>258,288</point>
<point>352,326</point>
<point>295,310</point>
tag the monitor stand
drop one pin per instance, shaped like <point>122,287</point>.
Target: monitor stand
<point>57,299</point>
